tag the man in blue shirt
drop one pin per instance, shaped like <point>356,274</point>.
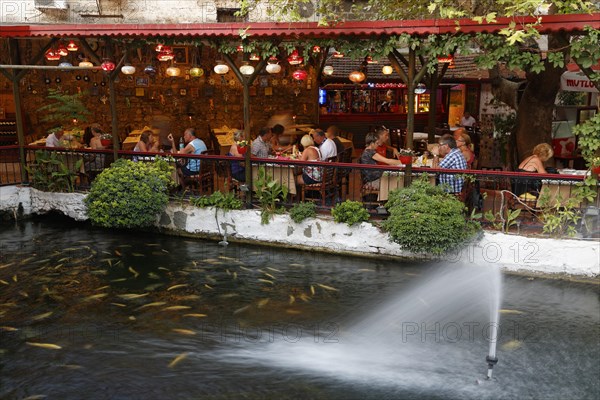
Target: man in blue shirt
<point>453,159</point>
<point>193,145</point>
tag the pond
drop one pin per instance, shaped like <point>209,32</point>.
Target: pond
<point>99,314</point>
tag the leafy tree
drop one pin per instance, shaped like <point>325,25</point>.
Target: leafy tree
<point>63,107</point>
<point>513,46</point>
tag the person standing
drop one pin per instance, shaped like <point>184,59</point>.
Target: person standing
<point>467,120</point>
<point>453,159</point>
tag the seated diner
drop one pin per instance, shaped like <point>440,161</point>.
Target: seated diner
<point>370,156</point>
<point>310,174</point>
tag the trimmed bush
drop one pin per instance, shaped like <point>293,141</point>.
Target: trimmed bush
<point>350,212</point>
<point>425,219</point>
<point>219,200</point>
<point>300,211</point>
<point>129,194</point>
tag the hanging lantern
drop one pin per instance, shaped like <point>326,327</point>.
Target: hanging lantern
<point>150,70</point>
<point>299,75</point>
<point>108,65</point>
<point>387,70</point>
<point>451,65</point>
<point>86,63</point>
<point>328,70</point>
<point>295,58</point>
<point>128,69</point>
<point>72,46</point>
<point>316,49</point>
<point>166,54</point>
<point>254,57</point>
<point>247,69</point>
<point>370,60</point>
<point>62,50</point>
<point>357,76</point>
<point>445,59</point>
<point>337,54</point>
<point>173,71</point>
<point>420,89</point>
<point>159,47</point>
<point>221,68</point>
<point>240,48</point>
<point>51,55</point>
<point>196,72</point>
<point>273,68</point>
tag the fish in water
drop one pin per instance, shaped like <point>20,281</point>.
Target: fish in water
<point>506,311</point>
<point>184,331</point>
<point>195,315</point>
<point>129,296</point>
<point>42,316</point>
<point>175,308</point>
<point>155,304</point>
<point>178,359</point>
<point>512,345</point>
<point>177,286</point>
<point>45,345</point>
<point>327,287</point>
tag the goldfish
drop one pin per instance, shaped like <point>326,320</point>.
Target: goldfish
<point>45,345</point>
<point>177,360</point>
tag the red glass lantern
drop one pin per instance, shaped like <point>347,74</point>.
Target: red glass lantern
<point>445,59</point>
<point>108,65</point>
<point>62,50</point>
<point>166,54</point>
<point>295,58</point>
<point>72,46</point>
<point>337,54</point>
<point>316,49</point>
<point>299,75</point>
<point>159,47</point>
<point>370,60</point>
<point>240,48</point>
<point>51,55</point>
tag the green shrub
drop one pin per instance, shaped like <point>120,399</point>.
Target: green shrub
<point>425,219</point>
<point>129,194</point>
<point>300,211</point>
<point>219,200</point>
<point>350,212</point>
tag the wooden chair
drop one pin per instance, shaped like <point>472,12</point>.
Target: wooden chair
<point>203,183</point>
<point>343,174</point>
<point>369,193</point>
<point>327,188</point>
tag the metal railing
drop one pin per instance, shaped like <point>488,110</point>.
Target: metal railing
<point>483,190</point>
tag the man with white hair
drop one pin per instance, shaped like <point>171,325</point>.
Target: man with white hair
<point>326,146</point>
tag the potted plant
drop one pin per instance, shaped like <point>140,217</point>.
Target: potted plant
<point>106,139</point>
<point>242,146</point>
<point>406,156</point>
<point>595,166</point>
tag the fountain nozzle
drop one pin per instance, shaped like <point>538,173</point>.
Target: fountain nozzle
<point>491,361</point>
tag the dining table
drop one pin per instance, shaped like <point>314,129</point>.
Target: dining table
<point>282,173</point>
<point>391,180</point>
<point>559,189</point>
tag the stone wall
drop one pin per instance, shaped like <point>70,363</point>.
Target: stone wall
<point>529,255</point>
<point>185,101</point>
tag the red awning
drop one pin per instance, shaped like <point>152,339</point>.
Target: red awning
<point>551,23</point>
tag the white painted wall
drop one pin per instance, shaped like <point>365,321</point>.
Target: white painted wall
<point>531,255</point>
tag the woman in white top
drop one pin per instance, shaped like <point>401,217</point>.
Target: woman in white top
<point>310,174</point>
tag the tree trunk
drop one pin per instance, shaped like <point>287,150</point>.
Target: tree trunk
<point>536,107</point>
